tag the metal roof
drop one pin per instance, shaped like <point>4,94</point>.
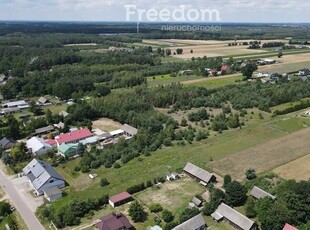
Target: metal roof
<point>129,129</point>
<point>36,144</point>
<point>52,191</point>
<point>198,172</point>
<point>233,216</point>
<point>40,172</point>
<point>197,222</point>
<point>258,193</point>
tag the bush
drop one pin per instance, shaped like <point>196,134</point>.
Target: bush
<point>167,216</point>
<point>250,174</point>
<point>136,212</point>
<point>156,208</point>
<point>136,188</point>
<point>104,182</point>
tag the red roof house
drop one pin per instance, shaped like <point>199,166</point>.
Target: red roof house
<point>120,199</point>
<point>51,142</point>
<point>225,68</point>
<point>289,227</point>
<point>74,136</point>
<point>114,222</point>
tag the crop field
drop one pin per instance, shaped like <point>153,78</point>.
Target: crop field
<point>206,48</point>
<point>265,156</point>
<point>289,63</point>
<point>298,169</point>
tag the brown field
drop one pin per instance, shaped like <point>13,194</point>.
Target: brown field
<point>209,48</point>
<point>289,63</point>
<point>106,124</point>
<point>265,156</point>
<point>298,169</point>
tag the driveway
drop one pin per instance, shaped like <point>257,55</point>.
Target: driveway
<point>22,201</point>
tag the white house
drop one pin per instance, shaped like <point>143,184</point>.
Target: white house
<point>38,146</point>
<point>42,176</point>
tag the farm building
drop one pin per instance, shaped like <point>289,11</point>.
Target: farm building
<point>120,199</point>
<point>38,146</point>
<point>52,194</point>
<point>199,174</point>
<point>16,104</point>
<point>42,176</point>
<point>6,111</point>
<point>195,202</point>
<point>172,176</point>
<point>117,133</point>
<point>63,113</point>
<point>44,130</point>
<point>224,212</point>
<point>60,125</point>
<point>73,137</point>
<point>114,222</point>
<point>89,141</point>
<point>304,72</point>
<point>129,131</point>
<point>195,223</point>
<point>289,227</point>
<point>258,193</point>
<point>43,101</point>
<point>7,143</point>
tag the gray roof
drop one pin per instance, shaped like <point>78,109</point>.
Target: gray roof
<point>258,193</point>
<point>63,113</point>
<point>43,100</point>
<point>44,129</point>
<point>196,201</point>
<point>200,173</point>
<point>5,141</point>
<point>233,216</point>
<point>129,129</point>
<point>40,172</point>
<point>52,191</point>
<point>197,222</point>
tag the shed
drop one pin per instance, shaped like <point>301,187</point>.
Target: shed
<point>289,227</point>
<point>7,143</point>
<point>235,218</point>
<point>195,223</point>
<point>44,130</point>
<point>120,199</point>
<point>52,194</point>
<point>129,131</point>
<point>195,202</point>
<point>199,173</point>
<point>258,193</point>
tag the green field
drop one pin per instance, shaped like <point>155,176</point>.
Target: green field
<point>217,82</point>
<point>167,79</point>
<point>289,67</point>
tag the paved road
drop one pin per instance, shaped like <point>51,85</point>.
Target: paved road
<point>21,206</point>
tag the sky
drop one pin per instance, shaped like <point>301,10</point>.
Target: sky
<point>275,11</point>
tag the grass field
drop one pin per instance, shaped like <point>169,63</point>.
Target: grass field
<point>265,156</point>
<point>287,105</point>
<point>298,169</point>
<point>167,79</point>
<point>215,82</point>
<point>173,196</point>
<point>106,124</point>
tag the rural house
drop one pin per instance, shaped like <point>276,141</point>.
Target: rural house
<point>129,131</point>
<point>289,227</point>
<point>120,199</point>
<point>52,194</point>
<point>7,143</point>
<point>6,111</point>
<point>199,174</point>
<point>73,137</point>
<point>258,193</point>
<point>68,150</point>
<point>38,146</point>
<point>304,72</point>
<point>63,113</point>
<point>43,101</point>
<point>42,176</point>
<point>114,222</point>
<point>195,223</point>
<point>224,212</point>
